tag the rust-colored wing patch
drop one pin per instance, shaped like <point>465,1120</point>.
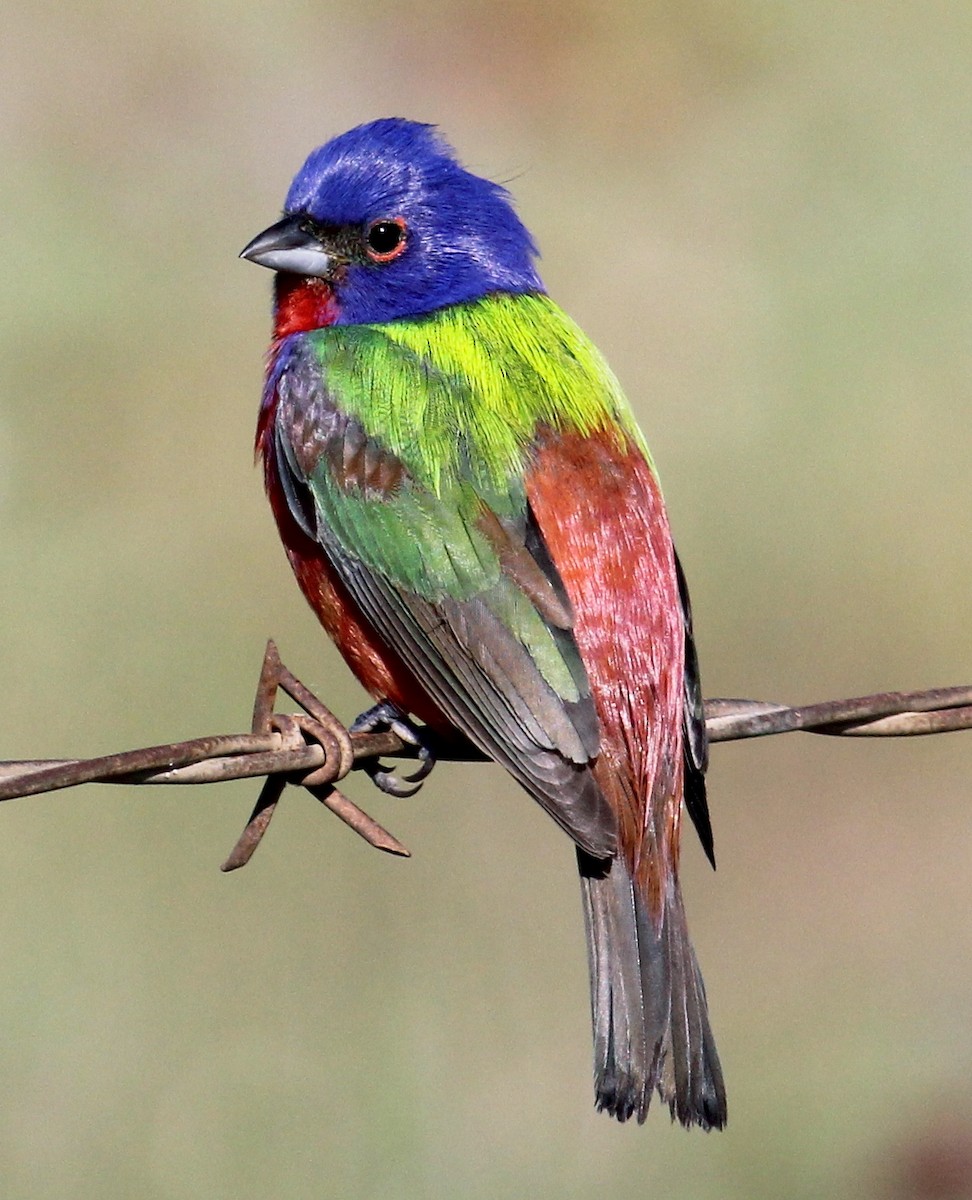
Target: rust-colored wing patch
<point>600,511</point>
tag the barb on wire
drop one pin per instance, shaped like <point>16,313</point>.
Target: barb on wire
<point>314,750</point>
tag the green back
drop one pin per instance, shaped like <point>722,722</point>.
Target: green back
<point>459,394</point>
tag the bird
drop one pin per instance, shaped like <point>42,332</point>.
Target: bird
<point>472,512</point>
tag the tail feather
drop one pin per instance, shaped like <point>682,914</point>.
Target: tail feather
<point>651,1024</point>
<point>624,1058</point>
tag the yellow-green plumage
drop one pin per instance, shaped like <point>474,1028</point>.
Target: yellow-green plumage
<point>460,393</point>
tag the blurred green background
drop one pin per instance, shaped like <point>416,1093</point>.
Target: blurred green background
<point>761,213</point>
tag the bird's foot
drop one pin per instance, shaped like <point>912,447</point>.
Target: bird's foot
<point>386,717</point>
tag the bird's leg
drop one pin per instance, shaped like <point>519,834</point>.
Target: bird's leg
<point>388,717</point>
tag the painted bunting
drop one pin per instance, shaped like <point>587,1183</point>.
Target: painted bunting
<point>473,514</point>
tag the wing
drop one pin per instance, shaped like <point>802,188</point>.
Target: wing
<point>696,742</point>
<point>449,571</point>
<point>600,508</point>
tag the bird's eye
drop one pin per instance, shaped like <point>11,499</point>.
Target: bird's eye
<point>385,239</point>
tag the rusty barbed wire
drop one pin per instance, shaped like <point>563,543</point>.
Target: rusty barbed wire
<point>314,749</point>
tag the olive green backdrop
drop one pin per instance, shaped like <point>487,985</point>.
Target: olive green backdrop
<point>761,213</point>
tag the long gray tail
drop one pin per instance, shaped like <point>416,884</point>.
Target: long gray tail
<point>651,1024</point>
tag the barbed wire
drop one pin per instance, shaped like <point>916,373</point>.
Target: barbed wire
<point>313,749</point>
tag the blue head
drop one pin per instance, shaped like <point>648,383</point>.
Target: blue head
<point>396,227</point>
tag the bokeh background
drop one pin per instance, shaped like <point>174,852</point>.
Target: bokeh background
<point>761,213</point>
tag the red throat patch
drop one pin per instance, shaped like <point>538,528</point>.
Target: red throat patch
<point>302,304</point>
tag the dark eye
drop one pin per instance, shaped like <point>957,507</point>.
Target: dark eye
<point>385,239</point>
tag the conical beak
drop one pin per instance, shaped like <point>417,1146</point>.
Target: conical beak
<point>287,247</point>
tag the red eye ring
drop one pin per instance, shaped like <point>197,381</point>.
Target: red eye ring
<point>385,239</point>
